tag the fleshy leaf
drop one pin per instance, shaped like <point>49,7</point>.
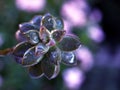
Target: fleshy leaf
<point>68,58</point>
<point>69,43</point>
<point>32,36</point>
<point>44,35</point>
<point>57,35</point>
<point>18,59</point>
<point>54,55</point>
<point>30,58</point>
<point>20,37</point>
<point>24,27</point>
<point>21,48</point>
<point>35,71</point>
<point>41,49</point>
<point>19,51</point>
<point>49,69</point>
<point>59,24</point>
<point>36,21</point>
<point>48,21</point>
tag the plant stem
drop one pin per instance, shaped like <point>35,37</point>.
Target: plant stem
<point>6,51</point>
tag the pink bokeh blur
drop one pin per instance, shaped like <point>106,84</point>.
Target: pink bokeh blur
<point>67,26</point>
<point>86,57</point>
<point>73,78</point>
<point>96,33</point>
<point>75,12</point>
<point>30,5</point>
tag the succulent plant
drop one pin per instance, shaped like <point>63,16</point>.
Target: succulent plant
<point>43,45</point>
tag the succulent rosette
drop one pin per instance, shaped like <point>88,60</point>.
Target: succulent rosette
<point>44,45</point>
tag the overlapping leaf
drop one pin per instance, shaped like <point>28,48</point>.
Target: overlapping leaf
<point>69,43</point>
<point>35,71</point>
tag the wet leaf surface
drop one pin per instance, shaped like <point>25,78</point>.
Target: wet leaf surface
<point>20,37</point>
<point>49,69</point>
<point>32,36</point>
<point>36,21</point>
<point>54,55</point>
<point>30,58</point>
<point>41,49</point>
<point>21,48</point>
<point>48,21</point>
<point>57,35</point>
<point>69,43</point>
<point>35,71</point>
<point>44,35</point>
<point>68,58</point>
<point>24,27</point>
<point>59,24</point>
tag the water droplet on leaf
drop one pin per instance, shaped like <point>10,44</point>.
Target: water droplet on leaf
<point>68,58</point>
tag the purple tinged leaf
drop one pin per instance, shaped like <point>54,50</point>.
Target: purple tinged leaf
<point>57,35</point>
<point>41,49</point>
<point>48,21</point>
<point>44,35</point>
<point>68,58</point>
<point>18,59</point>
<point>35,71</point>
<point>20,37</point>
<point>19,51</point>
<point>49,69</point>
<point>58,24</point>
<point>30,58</point>
<point>32,36</point>
<point>21,48</point>
<point>54,55</point>
<point>69,43</point>
<point>37,21</point>
<point>24,27</point>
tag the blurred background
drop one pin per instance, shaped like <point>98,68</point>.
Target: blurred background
<point>95,22</point>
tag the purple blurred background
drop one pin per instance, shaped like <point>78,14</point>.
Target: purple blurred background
<point>95,22</point>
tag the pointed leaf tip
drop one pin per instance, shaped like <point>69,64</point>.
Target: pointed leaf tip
<point>69,43</point>
<point>58,35</point>
<point>49,69</point>
<point>35,71</point>
<point>24,27</point>
<point>36,20</point>
<point>30,58</point>
<point>48,21</point>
